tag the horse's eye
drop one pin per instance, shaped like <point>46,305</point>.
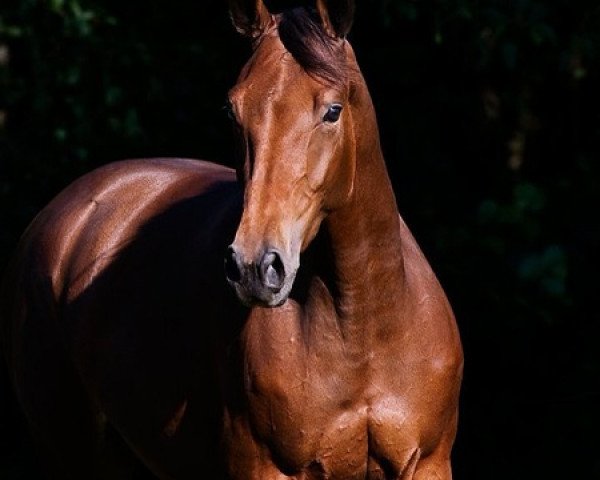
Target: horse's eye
<point>333,113</point>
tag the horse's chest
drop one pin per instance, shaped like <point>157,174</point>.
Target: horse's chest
<point>324,423</point>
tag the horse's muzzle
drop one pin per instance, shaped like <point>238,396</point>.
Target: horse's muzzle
<point>264,282</point>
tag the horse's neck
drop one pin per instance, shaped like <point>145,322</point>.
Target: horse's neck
<point>365,234</point>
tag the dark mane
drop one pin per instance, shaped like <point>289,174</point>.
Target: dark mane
<point>302,34</point>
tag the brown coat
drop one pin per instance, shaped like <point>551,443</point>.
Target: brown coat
<point>125,341</point>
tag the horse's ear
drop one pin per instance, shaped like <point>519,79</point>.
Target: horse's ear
<point>249,17</point>
<point>337,16</point>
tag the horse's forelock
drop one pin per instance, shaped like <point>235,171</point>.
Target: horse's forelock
<point>321,55</point>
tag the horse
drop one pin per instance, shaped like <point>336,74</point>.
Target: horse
<point>272,321</point>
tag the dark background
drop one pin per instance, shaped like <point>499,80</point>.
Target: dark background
<point>489,114</point>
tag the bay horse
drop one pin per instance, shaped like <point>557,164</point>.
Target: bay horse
<point>274,322</point>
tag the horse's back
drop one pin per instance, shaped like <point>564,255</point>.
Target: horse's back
<point>111,285</point>
<point>84,227</point>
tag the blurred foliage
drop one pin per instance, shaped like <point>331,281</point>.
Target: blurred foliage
<point>490,120</point>
<point>86,82</point>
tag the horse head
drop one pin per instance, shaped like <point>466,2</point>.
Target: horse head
<point>292,108</point>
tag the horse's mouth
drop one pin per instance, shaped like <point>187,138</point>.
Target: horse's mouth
<point>251,297</point>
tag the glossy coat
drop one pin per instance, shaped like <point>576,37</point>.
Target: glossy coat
<point>126,343</point>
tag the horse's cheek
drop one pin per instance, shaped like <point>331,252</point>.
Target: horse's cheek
<point>340,181</point>
<point>318,162</point>
<point>330,167</point>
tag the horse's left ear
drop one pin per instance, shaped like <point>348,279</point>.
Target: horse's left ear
<point>337,16</point>
<point>250,17</point>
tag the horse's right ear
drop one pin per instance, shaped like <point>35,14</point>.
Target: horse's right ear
<point>337,16</point>
<point>249,17</point>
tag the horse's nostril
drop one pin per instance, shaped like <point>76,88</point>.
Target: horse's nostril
<point>232,268</point>
<point>272,271</point>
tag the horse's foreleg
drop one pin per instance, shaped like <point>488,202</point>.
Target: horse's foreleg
<point>435,466</point>
<point>433,470</point>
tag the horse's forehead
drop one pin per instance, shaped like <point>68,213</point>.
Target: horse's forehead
<point>271,72</point>
<point>272,63</point>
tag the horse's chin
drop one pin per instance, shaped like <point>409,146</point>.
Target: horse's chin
<point>270,304</point>
<point>253,297</point>
<point>253,301</point>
